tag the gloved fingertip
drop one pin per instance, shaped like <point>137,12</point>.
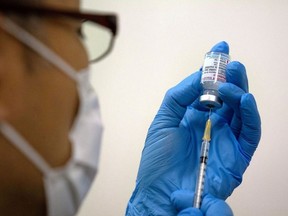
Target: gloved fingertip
<point>222,47</point>
<point>236,74</point>
<point>248,100</point>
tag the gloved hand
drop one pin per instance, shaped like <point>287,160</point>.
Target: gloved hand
<point>211,206</point>
<point>170,158</point>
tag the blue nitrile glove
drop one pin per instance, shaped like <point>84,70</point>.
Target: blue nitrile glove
<point>170,158</point>
<point>211,206</point>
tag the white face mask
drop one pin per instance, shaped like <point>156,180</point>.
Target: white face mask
<point>66,186</point>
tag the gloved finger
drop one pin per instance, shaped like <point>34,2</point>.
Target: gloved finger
<point>235,74</point>
<point>251,125</point>
<point>212,206</point>
<point>190,212</point>
<point>231,96</point>
<point>246,124</point>
<point>222,47</point>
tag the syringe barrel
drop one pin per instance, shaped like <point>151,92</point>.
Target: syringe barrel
<point>201,174</point>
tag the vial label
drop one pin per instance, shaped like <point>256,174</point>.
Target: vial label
<point>214,67</point>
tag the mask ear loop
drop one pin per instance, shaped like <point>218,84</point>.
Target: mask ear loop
<point>19,142</point>
<point>29,40</point>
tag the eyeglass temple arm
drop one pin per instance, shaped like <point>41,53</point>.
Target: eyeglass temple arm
<point>107,20</point>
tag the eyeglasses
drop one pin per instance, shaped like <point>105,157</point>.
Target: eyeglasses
<point>98,30</point>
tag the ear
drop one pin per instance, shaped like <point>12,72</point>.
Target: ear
<point>3,113</point>
<point>3,108</point>
<point>1,16</point>
<point>3,70</point>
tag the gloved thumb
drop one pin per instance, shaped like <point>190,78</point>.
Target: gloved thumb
<point>213,206</point>
<point>190,212</point>
<point>182,200</point>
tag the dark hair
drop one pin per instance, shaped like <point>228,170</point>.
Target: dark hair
<point>33,2</point>
<point>27,22</point>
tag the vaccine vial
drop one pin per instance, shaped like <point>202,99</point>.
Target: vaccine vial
<point>213,73</point>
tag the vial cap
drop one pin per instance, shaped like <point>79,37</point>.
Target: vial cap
<point>210,101</point>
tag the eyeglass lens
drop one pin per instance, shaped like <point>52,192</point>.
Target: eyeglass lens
<point>97,39</point>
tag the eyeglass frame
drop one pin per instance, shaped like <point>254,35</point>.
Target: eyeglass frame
<point>108,20</point>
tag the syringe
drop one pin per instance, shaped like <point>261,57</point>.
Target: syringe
<point>203,163</point>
